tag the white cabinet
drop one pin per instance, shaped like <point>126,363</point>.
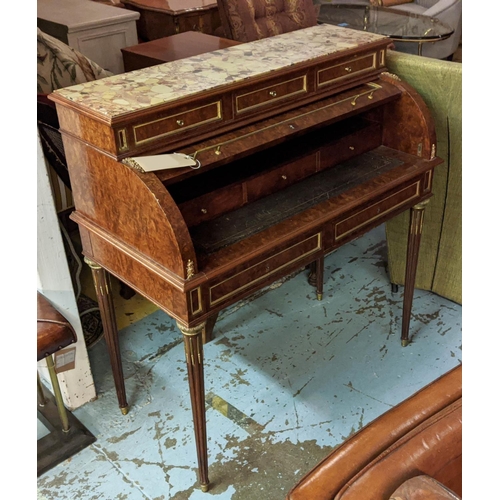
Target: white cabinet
<point>96,30</point>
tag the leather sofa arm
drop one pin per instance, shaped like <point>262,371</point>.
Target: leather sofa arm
<point>375,440</point>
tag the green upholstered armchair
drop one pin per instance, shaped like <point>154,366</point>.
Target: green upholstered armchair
<point>440,260</point>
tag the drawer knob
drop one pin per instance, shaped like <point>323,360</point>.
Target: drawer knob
<point>204,211</point>
<point>273,93</point>
<point>180,123</point>
<point>348,69</point>
<point>351,148</point>
<point>283,177</point>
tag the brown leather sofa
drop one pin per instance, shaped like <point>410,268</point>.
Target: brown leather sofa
<point>413,451</point>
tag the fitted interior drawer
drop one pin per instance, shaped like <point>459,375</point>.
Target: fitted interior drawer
<point>347,69</point>
<point>178,122</point>
<point>282,177</point>
<point>271,94</point>
<point>211,205</point>
<point>368,215</point>
<point>239,282</point>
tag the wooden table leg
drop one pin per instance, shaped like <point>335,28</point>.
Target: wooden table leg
<point>315,277</point>
<point>193,345</point>
<point>414,236</point>
<point>104,294</point>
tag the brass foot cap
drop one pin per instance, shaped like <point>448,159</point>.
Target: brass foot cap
<point>404,343</point>
<point>204,487</point>
<point>320,296</point>
<point>124,410</point>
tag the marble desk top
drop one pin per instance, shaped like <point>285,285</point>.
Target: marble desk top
<point>118,95</point>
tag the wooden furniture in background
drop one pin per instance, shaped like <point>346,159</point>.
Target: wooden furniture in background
<point>161,18</point>
<point>171,48</point>
<point>96,30</point>
<point>304,143</point>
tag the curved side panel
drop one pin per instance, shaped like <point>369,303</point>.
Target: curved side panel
<point>133,207</point>
<point>408,123</point>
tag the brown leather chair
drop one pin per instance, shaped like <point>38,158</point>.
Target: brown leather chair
<point>54,332</point>
<point>249,20</point>
<point>413,451</point>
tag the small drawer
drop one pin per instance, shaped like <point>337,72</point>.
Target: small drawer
<point>251,276</point>
<point>211,205</point>
<point>347,69</point>
<point>281,177</point>
<point>367,138</point>
<point>178,122</point>
<point>375,211</point>
<point>271,94</point>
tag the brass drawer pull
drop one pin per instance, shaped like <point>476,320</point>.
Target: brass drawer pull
<point>273,93</point>
<point>348,69</point>
<point>351,148</point>
<point>180,123</point>
<point>284,177</point>
<point>204,211</point>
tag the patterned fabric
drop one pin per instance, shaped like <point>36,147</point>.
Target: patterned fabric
<point>58,65</point>
<point>248,20</point>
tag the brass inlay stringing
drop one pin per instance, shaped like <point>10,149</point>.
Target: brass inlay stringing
<point>197,291</point>
<point>215,117</point>
<point>338,236</point>
<point>272,93</point>
<point>130,162</point>
<point>347,69</point>
<point>259,278</point>
<point>189,269</point>
<point>373,88</point>
<point>122,139</point>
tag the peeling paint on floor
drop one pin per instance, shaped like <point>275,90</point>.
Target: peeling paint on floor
<point>287,379</point>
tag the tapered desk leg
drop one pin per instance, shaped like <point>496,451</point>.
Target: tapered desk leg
<point>315,277</point>
<point>414,236</point>
<point>104,294</point>
<point>193,345</point>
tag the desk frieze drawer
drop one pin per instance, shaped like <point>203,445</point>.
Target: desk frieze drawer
<point>177,122</point>
<point>253,275</point>
<point>347,69</point>
<point>271,94</point>
<point>368,215</point>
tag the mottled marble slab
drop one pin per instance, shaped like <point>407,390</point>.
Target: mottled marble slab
<point>145,88</point>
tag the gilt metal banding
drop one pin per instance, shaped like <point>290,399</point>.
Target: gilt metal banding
<point>217,147</point>
<point>130,162</point>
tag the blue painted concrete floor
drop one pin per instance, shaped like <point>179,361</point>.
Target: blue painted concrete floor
<point>287,379</point>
